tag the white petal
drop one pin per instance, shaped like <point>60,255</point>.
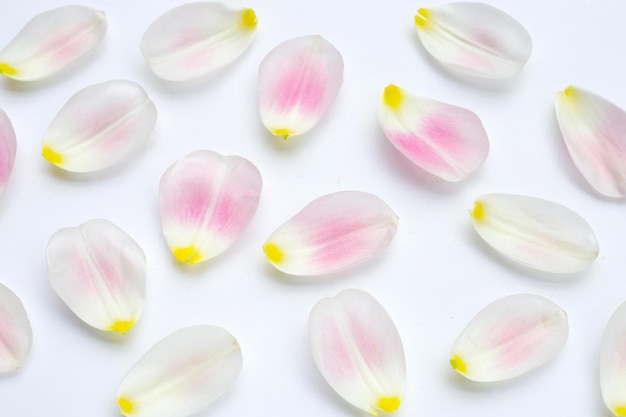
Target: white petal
<point>613,363</point>
<point>16,335</point>
<point>100,126</point>
<point>474,39</point>
<point>181,374</point>
<point>8,147</point>
<point>51,41</point>
<point>536,233</point>
<point>332,233</point>
<point>298,81</point>
<point>594,130</point>
<point>447,141</point>
<point>194,39</point>
<point>358,350</point>
<point>510,337</point>
<point>207,200</point>
<point>99,271</point>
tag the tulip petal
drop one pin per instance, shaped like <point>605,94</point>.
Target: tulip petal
<point>99,127</point>
<point>298,81</point>
<point>358,350</point>
<point>99,271</point>
<point>51,41</point>
<point>194,39</point>
<point>8,147</point>
<point>474,39</point>
<point>510,337</point>
<point>447,141</point>
<point>207,200</point>
<point>594,130</point>
<point>16,335</point>
<point>332,233</point>
<point>613,363</point>
<point>181,374</point>
<point>536,233</point>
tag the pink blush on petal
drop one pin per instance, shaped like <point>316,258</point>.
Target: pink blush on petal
<point>190,203</point>
<point>513,343</point>
<point>416,150</point>
<point>301,85</point>
<point>338,360</point>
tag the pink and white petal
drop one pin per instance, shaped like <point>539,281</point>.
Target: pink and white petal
<point>510,337</point>
<point>16,334</point>
<point>331,234</point>
<point>181,374</point>
<point>207,200</point>
<point>298,81</point>
<point>613,363</point>
<point>536,233</point>
<point>358,350</point>
<point>594,130</point>
<point>191,40</point>
<point>475,39</point>
<point>8,148</point>
<point>99,271</point>
<point>447,141</point>
<point>51,41</point>
<point>100,126</point>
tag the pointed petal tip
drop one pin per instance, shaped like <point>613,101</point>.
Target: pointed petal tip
<point>478,212</point>
<point>393,96</point>
<point>122,326</point>
<point>126,405</point>
<point>458,364</point>
<point>187,255</point>
<point>248,18</point>
<point>273,253</point>
<point>389,404</point>
<point>8,69</point>
<point>51,155</point>
<point>422,16</point>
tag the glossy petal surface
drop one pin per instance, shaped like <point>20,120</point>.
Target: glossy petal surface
<point>613,363</point>
<point>181,374</point>
<point>594,130</point>
<point>358,350</point>
<point>8,147</point>
<point>298,81</point>
<point>207,200</point>
<point>474,39</point>
<point>16,335</point>
<point>99,126</point>
<point>332,233</point>
<point>191,40</point>
<point>99,271</point>
<point>447,141</point>
<point>536,233</point>
<point>51,41</point>
<point>510,337</point>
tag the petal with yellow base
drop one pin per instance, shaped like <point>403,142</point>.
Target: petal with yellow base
<point>191,41</point>
<point>358,351</point>
<point>99,271</point>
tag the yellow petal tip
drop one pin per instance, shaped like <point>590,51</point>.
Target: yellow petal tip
<point>285,133</point>
<point>389,404</point>
<point>273,253</point>
<point>122,326</point>
<point>393,96</point>
<point>248,19</point>
<point>126,405</point>
<point>187,255</point>
<point>51,155</point>
<point>7,69</point>
<point>422,17</point>
<point>478,212</point>
<point>458,364</point>
<point>620,410</point>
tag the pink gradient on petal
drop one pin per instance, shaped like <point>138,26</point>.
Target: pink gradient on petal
<point>337,359</point>
<point>7,331</point>
<point>337,241</point>
<point>513,341</point>
<point>191,201</point>
<point>301,85</point>
<point>367,343</point>
<point>416,149</point>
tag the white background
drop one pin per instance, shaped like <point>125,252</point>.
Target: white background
<point>433,279</point>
